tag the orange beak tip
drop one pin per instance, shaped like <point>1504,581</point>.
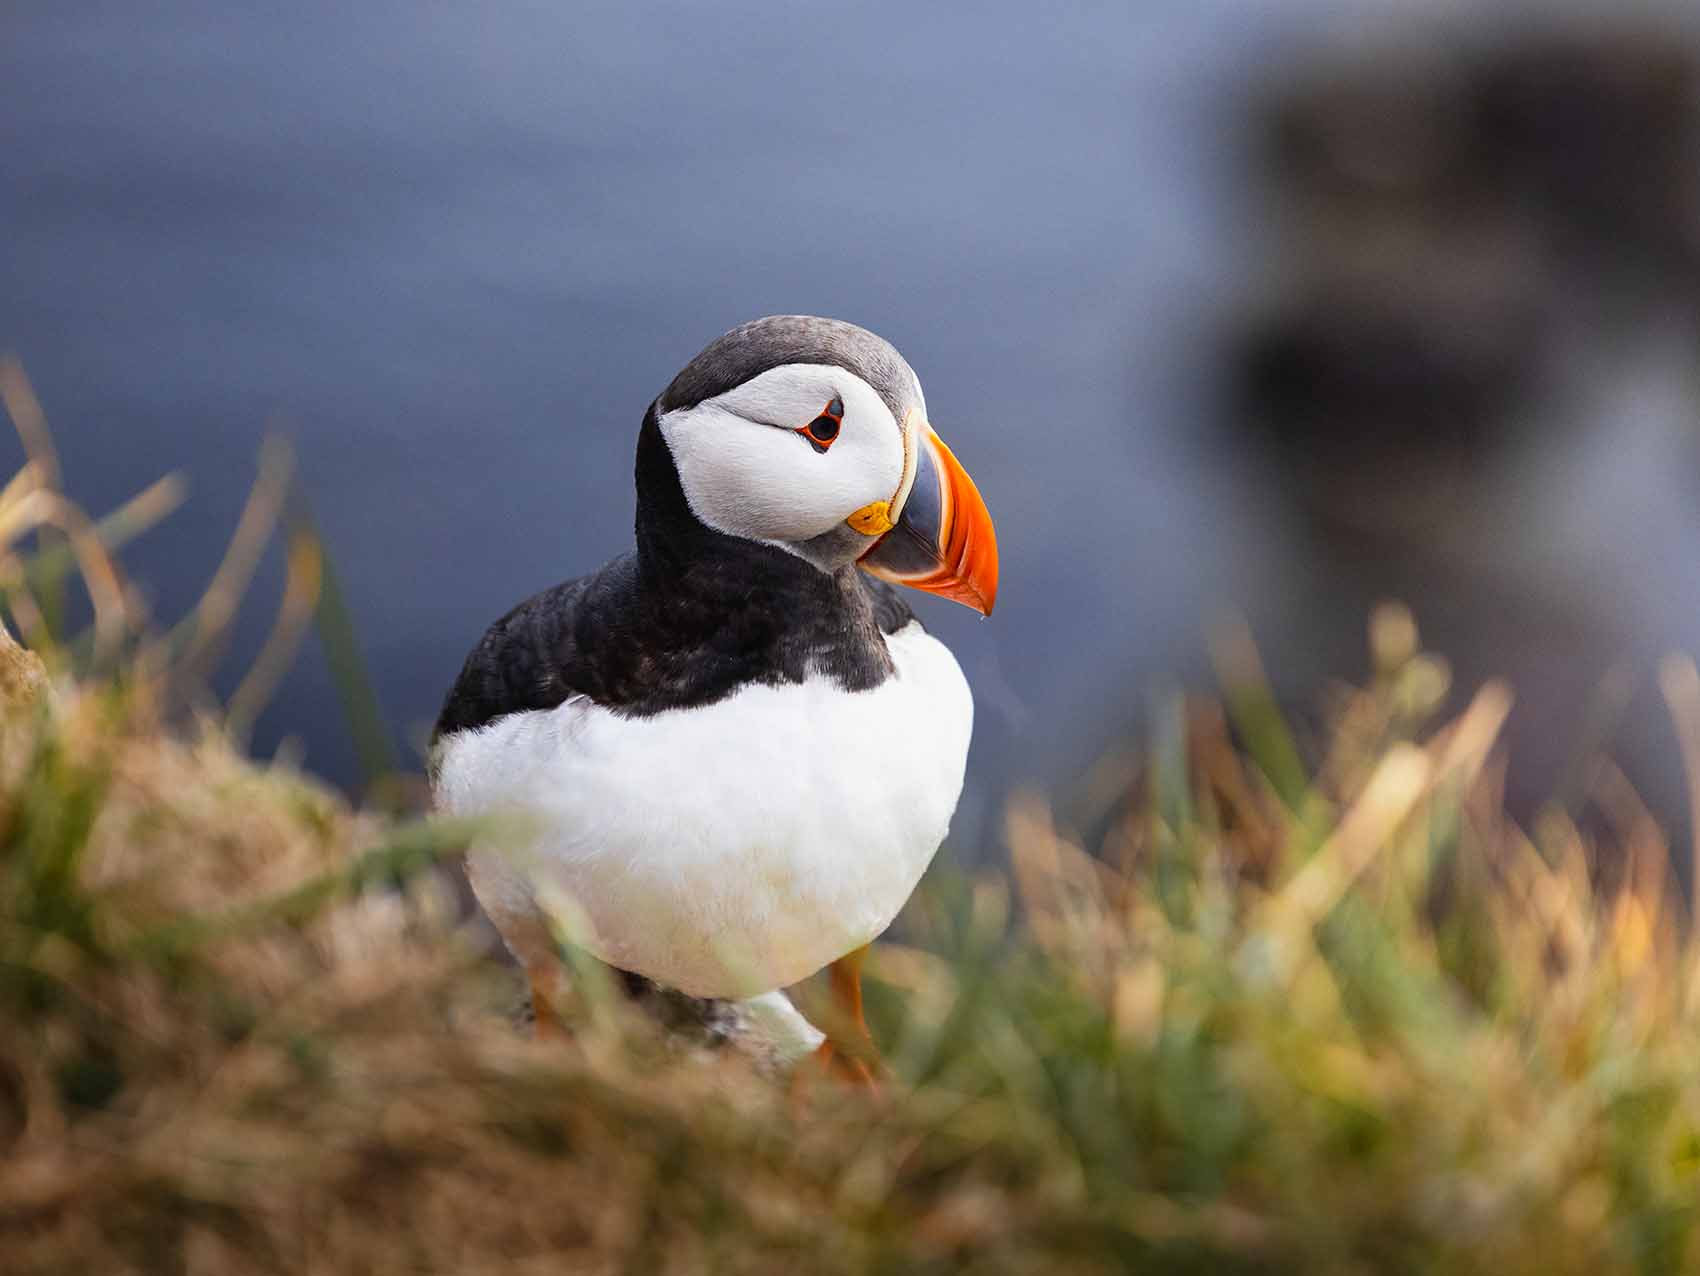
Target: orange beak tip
<point>946,544</point>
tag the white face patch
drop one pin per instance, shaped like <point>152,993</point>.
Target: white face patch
<point>747,472</point>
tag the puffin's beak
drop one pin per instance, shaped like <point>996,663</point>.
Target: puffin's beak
<point>943,540</point>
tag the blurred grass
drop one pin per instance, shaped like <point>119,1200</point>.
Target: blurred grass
<point>373,749</point>
<point>1290,1010</point>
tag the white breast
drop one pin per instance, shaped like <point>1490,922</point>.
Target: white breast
<point>732,849</point>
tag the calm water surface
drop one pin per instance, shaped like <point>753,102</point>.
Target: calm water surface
<point>452,251</point>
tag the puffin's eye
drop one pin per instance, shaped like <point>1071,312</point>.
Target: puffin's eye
<point>824,428</point>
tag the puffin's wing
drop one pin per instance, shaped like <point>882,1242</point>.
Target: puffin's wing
<point>531,659</point>
<point>564,642</point>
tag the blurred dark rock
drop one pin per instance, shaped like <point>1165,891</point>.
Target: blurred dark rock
<point>1440,219</point>
<point>1472,248</point>
<point>1598,136</point>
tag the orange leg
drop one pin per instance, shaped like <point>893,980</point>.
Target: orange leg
<point>546,1023</point>
<point>860,1064</point>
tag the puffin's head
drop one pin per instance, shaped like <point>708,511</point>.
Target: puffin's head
<point>811,435</point>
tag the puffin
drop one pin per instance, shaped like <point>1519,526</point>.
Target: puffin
<point>733,751</point>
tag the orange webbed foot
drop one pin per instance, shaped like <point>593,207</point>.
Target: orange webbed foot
<point>855,1061</point>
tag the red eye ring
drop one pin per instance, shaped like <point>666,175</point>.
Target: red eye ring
<point>822,432</point>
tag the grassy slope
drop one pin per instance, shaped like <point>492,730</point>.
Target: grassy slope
<point>1370,1027</point>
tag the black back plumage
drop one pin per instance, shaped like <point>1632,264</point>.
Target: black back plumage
<point>686,620</point>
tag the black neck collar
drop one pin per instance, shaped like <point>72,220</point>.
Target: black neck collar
<point>754,611</point>
<point>691,618</point>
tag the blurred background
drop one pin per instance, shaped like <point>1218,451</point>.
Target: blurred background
<point>1234,308</point>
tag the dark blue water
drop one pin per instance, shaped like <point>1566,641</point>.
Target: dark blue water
<point>452,251</point>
